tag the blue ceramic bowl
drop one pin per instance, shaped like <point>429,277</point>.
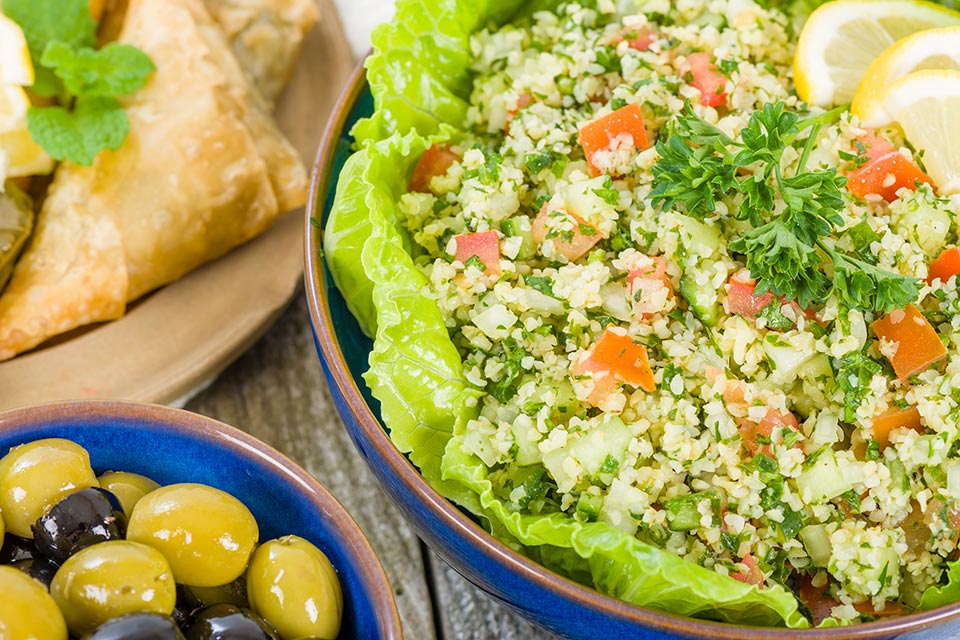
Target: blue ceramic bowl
<point>170,446</point>
<point>545,598</point>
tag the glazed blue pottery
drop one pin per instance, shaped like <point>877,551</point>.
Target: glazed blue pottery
<point>172,446</point>
<point>547,599</point>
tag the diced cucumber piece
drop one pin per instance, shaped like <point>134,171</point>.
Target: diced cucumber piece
<point>496,321</point>
<point>588,506</point>
<point>816,541</point>
<point>703,303</point>
<point>699,238</point>
<point>615,301</point>
<point>527,451</point>
<point>683,512</point>
<point>816,369</point>
<point>823,480</point>
<point>566,404</point>
<point>519,227</point>
<point>581,199</point>
<point>826,429</point>
<point>786,358</point>
<point>924,222</point>
<point>606,436</point>
<point>610,438</point>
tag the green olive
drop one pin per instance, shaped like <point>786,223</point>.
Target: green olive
<point>294,587</point>
<point>206,535</point>
<point>36,476</point>
<point>111,579</point>
<point>128,487</point>
<point>27,612</point>
<point>234,593</point>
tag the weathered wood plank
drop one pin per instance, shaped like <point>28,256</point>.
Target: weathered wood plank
<point>276,392</point>
<point>464,611</point>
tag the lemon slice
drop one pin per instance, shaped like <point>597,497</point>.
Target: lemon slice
<point>21,156</point>
<point>842,38</point>
<point>14,104</point>
<point>930,49</point>
<point>926,104</point>
<point>15,65</point>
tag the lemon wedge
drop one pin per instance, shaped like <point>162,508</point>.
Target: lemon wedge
<point>930,49</point>
<point>842,38</point>
<point>15,65</point>
<point>926,104</point>
<point>21,156</point>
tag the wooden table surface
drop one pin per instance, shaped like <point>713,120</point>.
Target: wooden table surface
<point>277,392</point>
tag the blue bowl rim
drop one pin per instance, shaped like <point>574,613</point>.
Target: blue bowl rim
<point>166,419</point>
<point>449,515</point>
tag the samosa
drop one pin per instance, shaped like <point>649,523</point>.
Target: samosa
<point>204,169</point>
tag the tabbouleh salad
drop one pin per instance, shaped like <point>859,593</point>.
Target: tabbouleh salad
<point>690,309</point>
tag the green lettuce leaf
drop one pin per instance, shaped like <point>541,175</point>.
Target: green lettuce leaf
<point>624,567</point>
<point>421,81</point>
<point>419,72</point>
<point>947,594</point>
<point>415,370</point>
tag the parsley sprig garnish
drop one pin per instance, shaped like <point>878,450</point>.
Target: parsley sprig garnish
<point>792,217</point>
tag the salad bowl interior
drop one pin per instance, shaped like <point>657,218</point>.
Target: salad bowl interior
<point>174,446</point>
<point>547,599</point>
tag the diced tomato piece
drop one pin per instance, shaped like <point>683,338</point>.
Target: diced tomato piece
<point>708,79</point>
<point>750,431</point>
<point>742,299</point>
<point>434,162</point>
<point>485,246</point>
<point>523,101</point>
<point>918,345</point>
<point>752,574</point>
<point>638,39</point>
<point>885,171</point>
<point>873,146</point>
<point>618,355</point>
<point>656,271</point>
<point>623,125</point>
<point>647,283</point>
<point>575,244</point>
<point>945,266</point>
<point>885,423</point>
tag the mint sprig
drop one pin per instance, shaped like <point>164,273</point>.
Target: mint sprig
<point>45,21</point>
<point>62,36</point>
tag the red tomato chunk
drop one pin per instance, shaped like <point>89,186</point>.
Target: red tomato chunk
<point>885,171</point>
<point>945,266</point>
<point>604,133</point>
<point>574,244</point>
<point>435,161</point>
<point>485,246</point>
<point>918,345</point>
<point>708,80</point>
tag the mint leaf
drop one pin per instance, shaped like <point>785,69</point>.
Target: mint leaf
<point>44,21</point>
<point>115,70</point>
<point>96,123</point>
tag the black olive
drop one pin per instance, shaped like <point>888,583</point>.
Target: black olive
<point>80,520</point>
<point>39,568</point>
<point>187,605</point>
<point>16,549</point>
<point>137,626</point>
<point>227,622</point>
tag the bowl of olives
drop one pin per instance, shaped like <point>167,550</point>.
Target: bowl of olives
<point>124,521</point>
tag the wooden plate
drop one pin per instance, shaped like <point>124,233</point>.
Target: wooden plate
<point>180,337</point>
